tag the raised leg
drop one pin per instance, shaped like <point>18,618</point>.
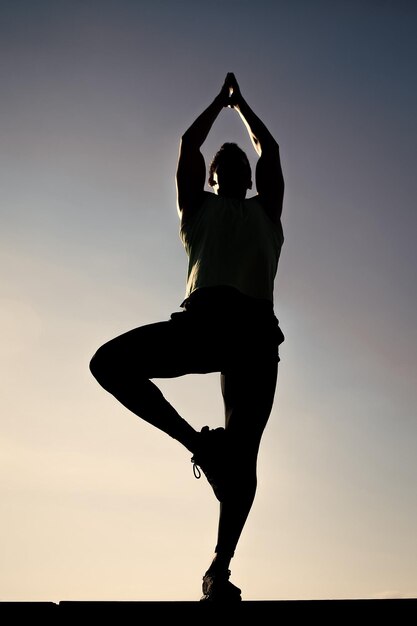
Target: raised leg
<point>125,365</point>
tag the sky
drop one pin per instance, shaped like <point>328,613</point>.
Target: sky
<point>95,503</point>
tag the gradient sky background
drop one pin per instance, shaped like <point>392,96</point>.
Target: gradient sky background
<point>96,504</point>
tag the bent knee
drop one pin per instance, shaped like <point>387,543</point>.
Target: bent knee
<point>114,369</point>
<point>102,365</point>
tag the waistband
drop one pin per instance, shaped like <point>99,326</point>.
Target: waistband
<point>221,297</point>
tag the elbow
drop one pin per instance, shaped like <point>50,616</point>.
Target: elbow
<point>269,148</point>
<point>273,146</point>
<point>186,143</point>
<point>186,139</point>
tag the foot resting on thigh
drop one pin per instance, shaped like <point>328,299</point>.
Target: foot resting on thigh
<point>210,457</point>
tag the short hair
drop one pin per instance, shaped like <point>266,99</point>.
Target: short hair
<point>227,150</point>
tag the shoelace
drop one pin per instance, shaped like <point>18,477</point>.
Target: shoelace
<point>196,469</point>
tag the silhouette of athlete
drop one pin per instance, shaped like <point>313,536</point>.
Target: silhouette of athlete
<point>226,324</point>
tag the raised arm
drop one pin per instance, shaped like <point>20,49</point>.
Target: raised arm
<point>191,169</point>
<point>269,177</point>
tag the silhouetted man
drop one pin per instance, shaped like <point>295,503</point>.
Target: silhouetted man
<point>227,323</point>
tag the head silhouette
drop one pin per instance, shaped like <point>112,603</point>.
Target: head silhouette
<point>230,172</point>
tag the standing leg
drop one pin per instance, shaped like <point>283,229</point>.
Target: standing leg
<point>248,397</point>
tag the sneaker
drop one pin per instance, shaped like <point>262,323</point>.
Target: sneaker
<point>218,588</point>
<point>210,457</point>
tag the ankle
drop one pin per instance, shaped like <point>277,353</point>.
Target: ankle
<point>219,566</point>
<point>189,439</point>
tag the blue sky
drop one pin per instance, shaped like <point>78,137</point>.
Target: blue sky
<point>95,504</point>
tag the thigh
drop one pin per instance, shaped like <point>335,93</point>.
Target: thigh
<point>165,349</point>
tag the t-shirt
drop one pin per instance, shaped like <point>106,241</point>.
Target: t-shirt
<point>232,242</point>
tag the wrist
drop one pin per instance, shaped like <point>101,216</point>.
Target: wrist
<point>220,101</point>
<point>237,102</point>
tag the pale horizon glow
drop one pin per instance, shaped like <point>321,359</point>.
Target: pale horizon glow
<point>95,503</point>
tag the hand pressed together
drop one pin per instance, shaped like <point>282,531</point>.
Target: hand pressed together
<point>230,92</point>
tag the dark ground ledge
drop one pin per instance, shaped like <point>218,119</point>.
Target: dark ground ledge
<point>395,609</point>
